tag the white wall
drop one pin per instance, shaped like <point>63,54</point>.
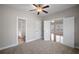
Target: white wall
<point>0,25</point>
<point>9,26</point>
<point>33,27</point>
<point>68,31</point>
<point>77,32</point>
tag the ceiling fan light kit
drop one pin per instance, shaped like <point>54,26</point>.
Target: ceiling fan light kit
<point>40,8</point>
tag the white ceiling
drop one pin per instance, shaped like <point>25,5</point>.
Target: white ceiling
<point>52,9</point>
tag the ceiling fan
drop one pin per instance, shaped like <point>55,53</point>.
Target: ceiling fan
<point>40,8</point>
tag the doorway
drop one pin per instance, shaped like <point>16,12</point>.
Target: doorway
<point>60,30</point>
<point>21,30</point>
<point>56,31</point>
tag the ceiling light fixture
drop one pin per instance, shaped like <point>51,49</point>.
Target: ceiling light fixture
<point>40,8</point>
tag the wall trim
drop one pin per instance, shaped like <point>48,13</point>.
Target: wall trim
<point>28,41</point>
<point>77,47</point>
<point>13,45</point>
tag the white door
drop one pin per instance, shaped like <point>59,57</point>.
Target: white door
<point>68,31</point>
<point>46,30</point>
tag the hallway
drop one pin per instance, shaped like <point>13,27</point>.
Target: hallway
<point>40,47</point>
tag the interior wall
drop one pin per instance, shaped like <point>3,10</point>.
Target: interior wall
<point>33,27</point>
<point>77,32</point>
<point>73,11</point>
<point>68,31</point>
<point>9,26</point>
<point>0,25</point>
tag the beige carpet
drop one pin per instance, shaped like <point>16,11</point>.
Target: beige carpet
<point>40,47</point>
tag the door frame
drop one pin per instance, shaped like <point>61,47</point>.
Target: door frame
<point>47,31</point>
<point>18,17</point>
<point>54,19</point>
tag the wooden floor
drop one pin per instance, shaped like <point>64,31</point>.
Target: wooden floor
<point>40,47</point>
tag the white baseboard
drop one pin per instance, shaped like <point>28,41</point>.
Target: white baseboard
<point>77,47</point>
<point>8,46</point>
<point>27,41</point>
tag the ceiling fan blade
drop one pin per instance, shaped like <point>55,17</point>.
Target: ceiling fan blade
<point>45,11</point>
<point>35,5</point>
<point>33,10</point>
<point>38,13</point>
<point>46,6</point>
<point>39,5</point>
